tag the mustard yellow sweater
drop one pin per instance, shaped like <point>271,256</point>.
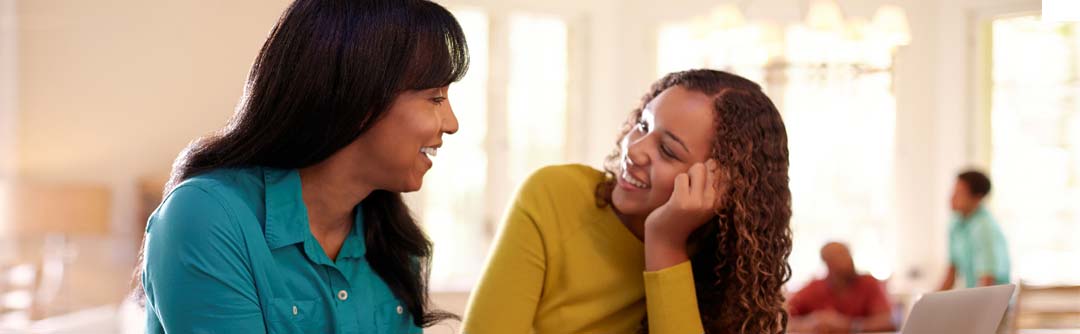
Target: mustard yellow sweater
<point>560,264</point>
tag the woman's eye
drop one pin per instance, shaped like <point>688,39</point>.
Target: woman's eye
<point>438,100</point>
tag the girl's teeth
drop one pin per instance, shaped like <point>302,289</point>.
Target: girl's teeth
<point>632,181</point>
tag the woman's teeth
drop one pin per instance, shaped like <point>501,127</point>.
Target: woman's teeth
<point>634,182</point>
<point>429,151</point>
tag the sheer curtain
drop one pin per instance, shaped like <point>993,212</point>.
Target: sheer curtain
<point>1035,145</point>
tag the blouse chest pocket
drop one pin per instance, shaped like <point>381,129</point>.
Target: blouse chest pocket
<point>392,317</point>
<point>288,315</point>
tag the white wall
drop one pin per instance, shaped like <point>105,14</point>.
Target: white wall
<point>921,205</point>
<point>111,90</point>
<point>8,79</point>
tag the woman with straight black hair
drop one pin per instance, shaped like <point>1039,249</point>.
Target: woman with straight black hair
<point>290,219</point>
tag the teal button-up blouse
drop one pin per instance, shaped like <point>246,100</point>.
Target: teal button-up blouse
<point>230,251</point>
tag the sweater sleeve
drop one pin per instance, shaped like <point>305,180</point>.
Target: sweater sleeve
<point>671,301</point>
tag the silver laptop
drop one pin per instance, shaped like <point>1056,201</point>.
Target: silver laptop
<point>966,311</point>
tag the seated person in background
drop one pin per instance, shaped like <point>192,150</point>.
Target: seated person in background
<point>842,302</point>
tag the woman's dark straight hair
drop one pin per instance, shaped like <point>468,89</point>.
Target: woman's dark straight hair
<point>327,72</point>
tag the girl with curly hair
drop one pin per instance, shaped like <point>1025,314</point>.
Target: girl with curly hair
<point>685,231</point>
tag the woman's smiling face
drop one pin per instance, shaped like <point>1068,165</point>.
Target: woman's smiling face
<point>674,132</point>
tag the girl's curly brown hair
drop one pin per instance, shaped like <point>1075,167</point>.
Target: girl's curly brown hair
<point>740,262</point>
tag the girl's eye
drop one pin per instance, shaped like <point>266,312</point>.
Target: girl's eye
<point>667,152</point>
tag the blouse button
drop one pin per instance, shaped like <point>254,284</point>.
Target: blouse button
<point>342,295</point>
<point>295,310</point>
<point>400,309</point>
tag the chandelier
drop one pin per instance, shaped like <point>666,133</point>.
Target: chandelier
<point>824,39</point>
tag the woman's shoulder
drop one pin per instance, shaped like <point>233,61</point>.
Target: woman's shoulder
<point>560,191</point>
<point>216,197</point>
<point>232,186</point>
<point>203,220</point>
<point>226,180</point>
<point>572,182</point>
<point>565,177</point>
